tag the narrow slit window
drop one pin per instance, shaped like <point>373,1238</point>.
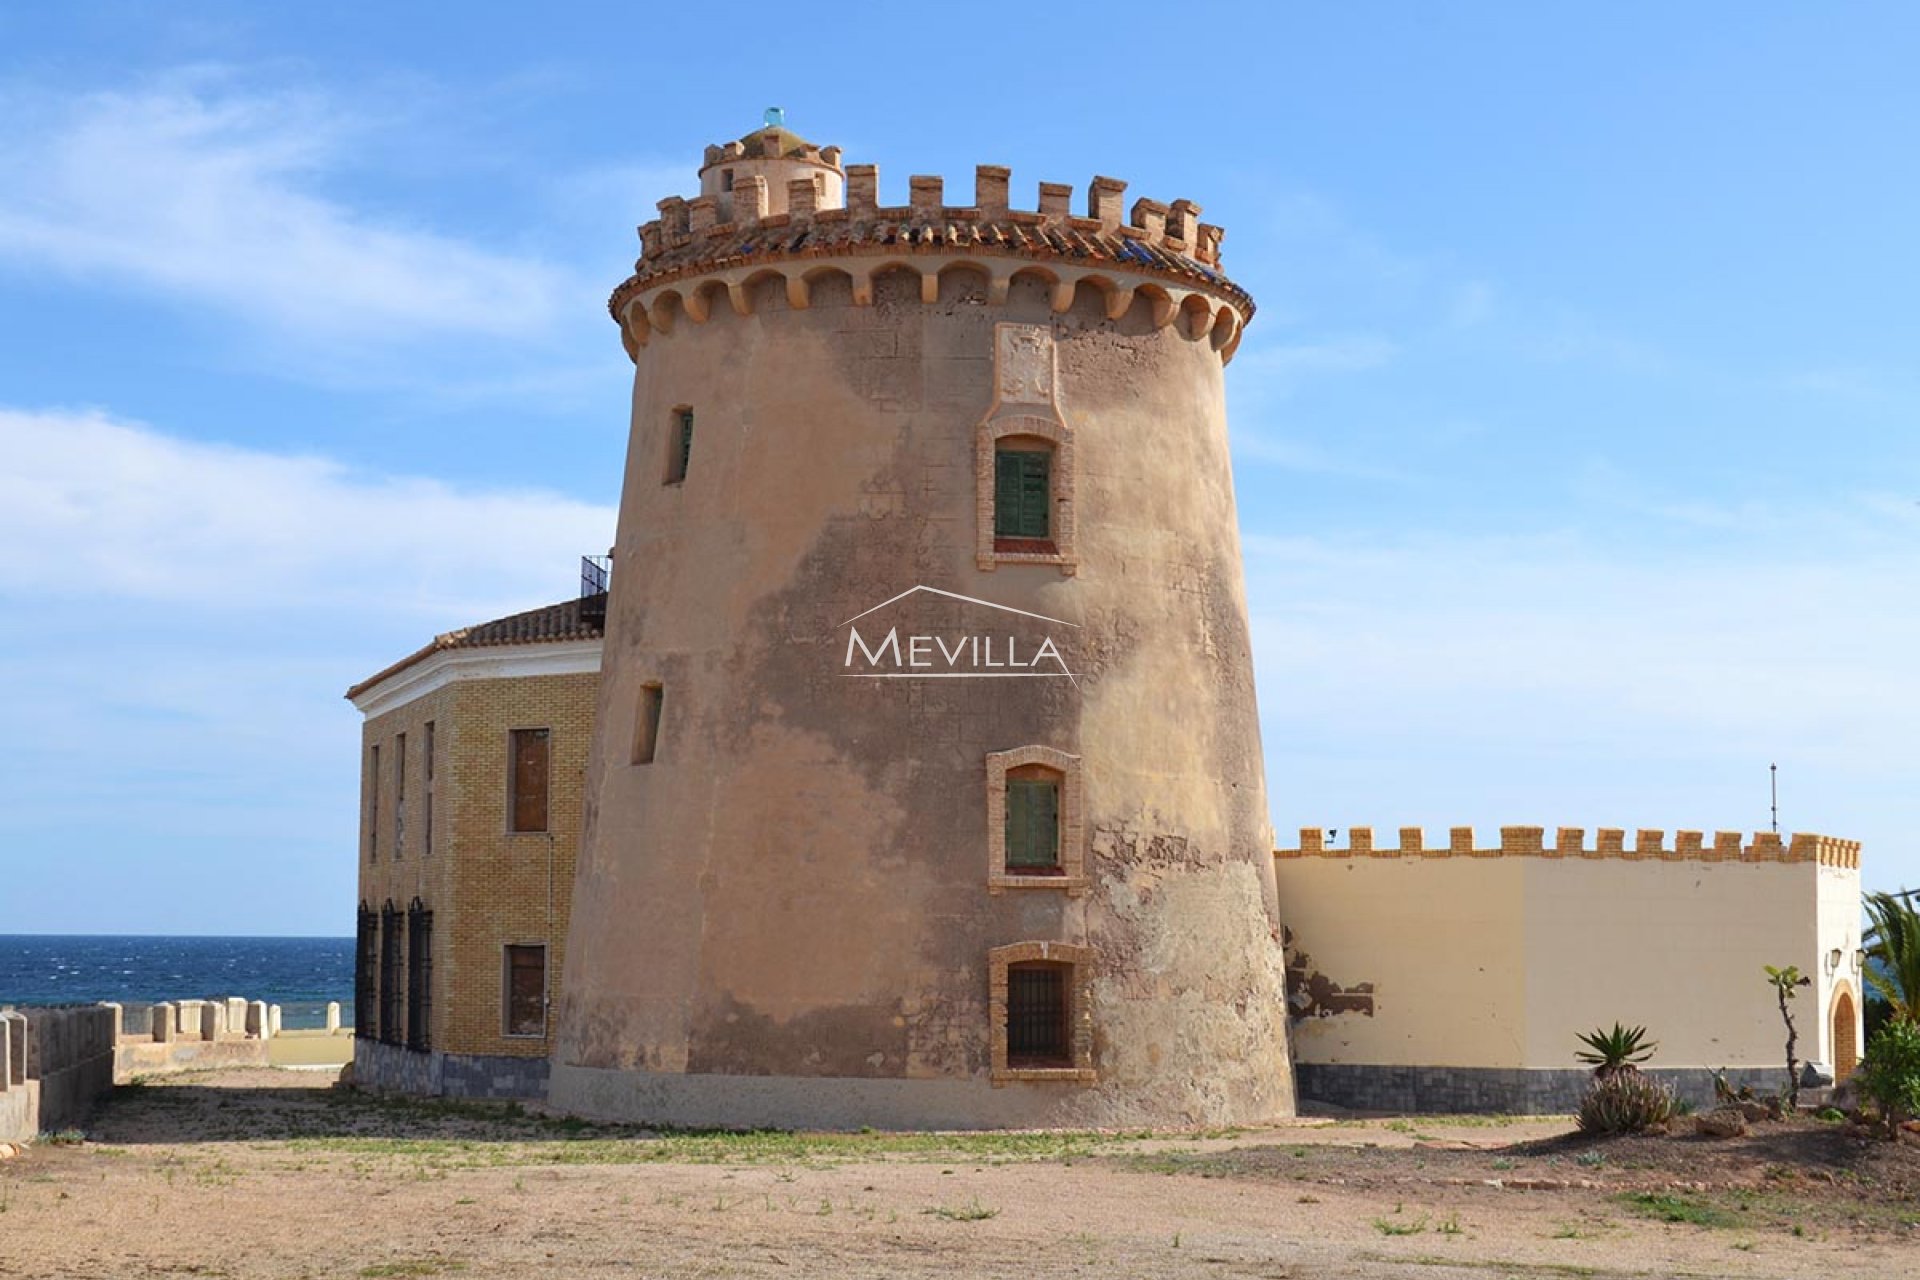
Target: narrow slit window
<point>373,805</point>
<point>525,997</point>
<point>646,728</point>
<point>1033,822</point>
<point>399,795</point>
<point>1038,1027</point>
<point>527,780</point>
<point>426,801</point>
<point>679,445</point>
<point>1023,493</point>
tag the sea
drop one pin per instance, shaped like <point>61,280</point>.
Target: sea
<point>301,975</point>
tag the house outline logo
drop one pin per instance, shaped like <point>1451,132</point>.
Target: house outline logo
<point>919,654</point>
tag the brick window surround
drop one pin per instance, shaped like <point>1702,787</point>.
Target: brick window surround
<point>1079,964</point>
<point>1072,875</point>
<point>1061,547</point>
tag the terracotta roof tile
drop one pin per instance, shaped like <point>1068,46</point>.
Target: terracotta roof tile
<point>545,625</point>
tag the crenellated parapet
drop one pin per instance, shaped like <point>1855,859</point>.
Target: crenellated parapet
<point>1647,844</point>
<point>722,247</point>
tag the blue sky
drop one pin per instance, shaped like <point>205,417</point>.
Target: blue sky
<point>1574,438</point>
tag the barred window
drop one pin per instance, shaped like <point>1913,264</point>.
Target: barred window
<point>419,976</point>
<point>1038,1028</point>
<point>392,994</point>
<point>366,961</point>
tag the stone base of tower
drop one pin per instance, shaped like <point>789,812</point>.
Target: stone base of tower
<point>827,1102</point>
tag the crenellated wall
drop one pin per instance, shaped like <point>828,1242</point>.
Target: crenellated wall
<point>1157,257</point>
<point>1449,976</point>
<point>1571,842</point>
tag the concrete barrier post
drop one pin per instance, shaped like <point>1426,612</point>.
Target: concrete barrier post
<point>187,1018</point>
<point>213,1019</point>
<point>273,1019</point>
<point>163,1024</point>
<point>6,1053</point>
<point>237,1014</point>
<point>119,1016</point>
<point>333,1017</point>
<point>17,1046</point>
<point>257,1026</point>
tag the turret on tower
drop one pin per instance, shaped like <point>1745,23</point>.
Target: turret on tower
<point>926,788</point>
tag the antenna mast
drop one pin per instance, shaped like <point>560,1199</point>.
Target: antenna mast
<point>1773,780</point>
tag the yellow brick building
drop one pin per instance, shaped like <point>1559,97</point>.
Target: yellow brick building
<point>473,758</point>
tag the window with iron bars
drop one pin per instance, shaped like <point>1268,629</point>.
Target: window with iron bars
<point>366,959</point>
<point>419,976</point>
<point>1038,1027</point>
<point>392,993</point>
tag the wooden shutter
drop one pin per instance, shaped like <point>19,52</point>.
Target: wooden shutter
<point>529,780</point>
<point>1033,825</point>
<point>1022,493</point>
<point>1006,495</point>
<point>686,441</point>
<point>1036,497</point>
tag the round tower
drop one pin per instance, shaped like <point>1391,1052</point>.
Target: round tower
<point>926,788</point>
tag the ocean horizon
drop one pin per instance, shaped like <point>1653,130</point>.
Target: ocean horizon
<point>300,974</point>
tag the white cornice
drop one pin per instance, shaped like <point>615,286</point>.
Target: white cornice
<point>492,662</point>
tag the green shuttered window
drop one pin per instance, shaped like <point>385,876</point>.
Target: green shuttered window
<point>1022,493</point>
<point>1033,825</point>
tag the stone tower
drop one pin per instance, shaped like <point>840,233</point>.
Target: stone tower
<point>926,787</point>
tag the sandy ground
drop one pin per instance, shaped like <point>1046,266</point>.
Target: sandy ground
<point>274,1174</point>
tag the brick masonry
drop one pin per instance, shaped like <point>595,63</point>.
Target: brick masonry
<point>1493,1090</point>
<point>487,887</point>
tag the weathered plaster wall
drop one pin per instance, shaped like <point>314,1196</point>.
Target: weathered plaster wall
<point>795,887</point>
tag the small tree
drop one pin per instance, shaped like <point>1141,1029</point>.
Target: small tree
<point>1786,984</point>
<point>1891,1073</point>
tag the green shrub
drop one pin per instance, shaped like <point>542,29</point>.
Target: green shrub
<point>1625,1103</point>
<point>1891,1074</point>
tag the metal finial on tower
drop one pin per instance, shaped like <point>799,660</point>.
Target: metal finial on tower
<point>776,117</point>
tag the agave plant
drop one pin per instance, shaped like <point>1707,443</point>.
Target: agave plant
<point>1614,1052</point>
<point>1626,1102</point>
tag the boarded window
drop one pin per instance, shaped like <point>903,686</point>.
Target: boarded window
<point>679,445</point>
<point>1022,493</point>
<point>527,780</point>
<point>426,801</point>
<point>526,990</point>
<point>646,728</point>
<point>399,795</point>
<point>1033,822</point>
<point>1037,1015</point>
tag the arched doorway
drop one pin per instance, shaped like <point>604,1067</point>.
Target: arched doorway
<point>1846,1041</point>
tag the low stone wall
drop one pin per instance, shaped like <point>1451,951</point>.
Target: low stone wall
<point>57,1063</point>
<point>392,1068</point>
<point>1495,1090</point>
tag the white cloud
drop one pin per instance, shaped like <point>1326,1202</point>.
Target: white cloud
<point>215,197</point>
<point>1277,370</point>
<point>107,510</point>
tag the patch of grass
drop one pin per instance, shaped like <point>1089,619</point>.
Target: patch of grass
<point>973,1211</point>
<point>1591,1159</point>
<point>1388,1227</point>
<point>64,1138</point>
<point>412,1267</point>
<point>1665,1207</point>
<point>1450,1226</point>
